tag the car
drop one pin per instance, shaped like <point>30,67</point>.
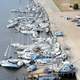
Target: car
<point>77,24</point>
<point>59,34</point>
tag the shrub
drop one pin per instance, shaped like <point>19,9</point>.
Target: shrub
<point>76,6</point>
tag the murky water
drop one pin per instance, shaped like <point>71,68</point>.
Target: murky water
<point>6,36</point>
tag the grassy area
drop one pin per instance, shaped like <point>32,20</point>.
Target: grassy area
<point>60,5</point>
<point>64,6</point>
<point>75,1</point>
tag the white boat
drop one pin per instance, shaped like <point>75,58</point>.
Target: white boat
<point>26,32</point>
<point>44,25</point>
<point>39,39</point>
<point>26,62</point>
<point>26,50</point>
<point>32,68</point>
<point>12,25</point>
<point>18,46</point>
<point>44,60</point>
<point>10,21</point>
<point>11,63</point>
<point>25,56</point>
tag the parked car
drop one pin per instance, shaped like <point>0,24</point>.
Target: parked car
<point>59,34</point>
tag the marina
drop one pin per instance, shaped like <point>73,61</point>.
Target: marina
<point>33,46</point>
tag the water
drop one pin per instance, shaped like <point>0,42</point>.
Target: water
<point>7,35</point>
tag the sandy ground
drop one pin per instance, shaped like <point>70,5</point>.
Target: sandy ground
<point>72,35</point>
<point>72,32</point>
<point>64,5</point>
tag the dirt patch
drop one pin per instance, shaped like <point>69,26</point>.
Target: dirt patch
<point>72,35</point>
<point>64,5</point>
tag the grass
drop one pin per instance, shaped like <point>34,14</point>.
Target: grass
<point>75,1</point>
<point>60,3</point>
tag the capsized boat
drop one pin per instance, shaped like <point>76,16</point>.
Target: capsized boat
<point>18,46</point>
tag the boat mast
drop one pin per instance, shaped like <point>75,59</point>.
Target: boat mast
<point>6,52</point>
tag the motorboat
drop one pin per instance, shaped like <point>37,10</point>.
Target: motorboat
<point>26,50</point>
<point>10,21</point>
<point>12,25</point>
<point>32,68</point>
<point>26,62</point>
<point>44,25</point>
<point>44,60</point>
<point>18,46</point>
<point>39,39</point>
<point>26,32</point>
<point>26,55</point>
<point>11,63</point>
<point>15,10</point>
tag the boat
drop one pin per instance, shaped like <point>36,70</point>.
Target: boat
<point>12,25</point>
<point>26,50</point>
<point>32,68</point>
<point>43,60</point>
<point>18,46</point>
<point>25,56</point>
<point>11,63</point>
<point>26,61</point>
<point>26,32</point>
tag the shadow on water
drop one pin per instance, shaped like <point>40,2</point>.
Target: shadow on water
<point>13,70</point>
<point>75,78</point>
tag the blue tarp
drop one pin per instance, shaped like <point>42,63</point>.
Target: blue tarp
<point>32,67</point>
<point>67,68</point>
<point>48,78</point>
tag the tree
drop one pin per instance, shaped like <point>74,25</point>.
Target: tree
<point>76,6</point>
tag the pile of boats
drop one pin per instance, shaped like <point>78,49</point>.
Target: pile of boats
<point>45,52</point>
<point>31,20</point>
